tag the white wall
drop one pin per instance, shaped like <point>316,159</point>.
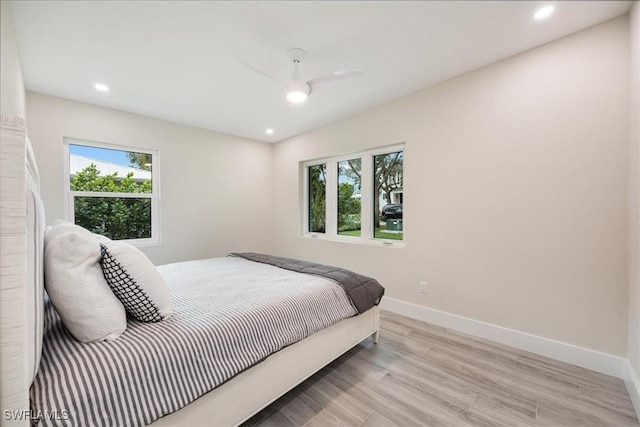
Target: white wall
<point>215,188</point>
<point>634,205</point>
<point>516,191</point>
<point>12,97</point>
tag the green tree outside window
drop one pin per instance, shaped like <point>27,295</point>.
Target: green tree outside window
<point>115,217</point>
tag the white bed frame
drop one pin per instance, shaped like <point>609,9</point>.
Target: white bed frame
<point>229,404</point>
<point>247,393</point>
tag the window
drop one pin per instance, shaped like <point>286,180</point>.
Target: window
<point>317,202</point>
<point>113,190</point>
<point>349,197</point>
<point>356,198</point>
<point>388,195</point>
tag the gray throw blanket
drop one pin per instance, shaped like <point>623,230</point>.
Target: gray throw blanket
<point>364,292</point>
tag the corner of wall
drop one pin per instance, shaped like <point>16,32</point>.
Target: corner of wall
<point>632,371</point>
<point>632,381</point>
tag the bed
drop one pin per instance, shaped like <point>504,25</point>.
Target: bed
<point>235,398</point>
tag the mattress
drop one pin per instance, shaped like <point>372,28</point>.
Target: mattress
<point>229,314</point>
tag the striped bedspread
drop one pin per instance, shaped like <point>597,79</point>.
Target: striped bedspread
<point>229,314</point>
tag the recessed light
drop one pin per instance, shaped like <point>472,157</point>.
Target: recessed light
<point>544,12</point>
<point>269,131</point>
<point>101,87</point>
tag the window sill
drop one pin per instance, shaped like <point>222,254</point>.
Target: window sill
<point>392,244</point>
<point>138,243</point>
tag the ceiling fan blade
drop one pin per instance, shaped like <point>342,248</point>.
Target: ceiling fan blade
<point>333,77</point>
<point>256,70</point>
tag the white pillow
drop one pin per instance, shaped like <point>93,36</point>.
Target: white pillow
<point>100,238</point>
<point>61,227</point>
<point>135,281</point>
<point>77,288</point>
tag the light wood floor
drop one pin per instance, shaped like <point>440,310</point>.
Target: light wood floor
<point>424,375</point>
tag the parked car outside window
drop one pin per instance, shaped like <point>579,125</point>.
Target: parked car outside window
<point>391,211</point>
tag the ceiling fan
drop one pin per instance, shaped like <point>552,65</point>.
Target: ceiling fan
<point>297,89</point>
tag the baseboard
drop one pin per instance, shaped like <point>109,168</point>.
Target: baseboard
<point>632,381</point>
<point>569,353</point>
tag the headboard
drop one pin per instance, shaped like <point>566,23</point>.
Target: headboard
<point>21,276</point>
<point>35,266</point>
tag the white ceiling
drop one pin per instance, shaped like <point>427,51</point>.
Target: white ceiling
<point>178,60</point>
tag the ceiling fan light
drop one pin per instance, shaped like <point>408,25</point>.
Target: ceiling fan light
<point>297,91</point>
<point>296,97</point>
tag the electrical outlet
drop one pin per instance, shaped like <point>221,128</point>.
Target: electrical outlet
<point>424,287</point>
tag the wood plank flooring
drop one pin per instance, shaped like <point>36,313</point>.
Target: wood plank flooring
<point>424,375</point>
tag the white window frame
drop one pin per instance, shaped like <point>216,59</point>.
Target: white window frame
<point>366,201</point>
<point>154,195</point>
<point>305,201</point>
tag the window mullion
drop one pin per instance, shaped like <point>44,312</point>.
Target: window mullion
<point>332,198</point>
<point>367,197</point>
<point>112,195</point>
<point>305,199</point>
